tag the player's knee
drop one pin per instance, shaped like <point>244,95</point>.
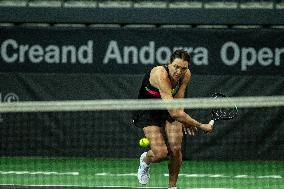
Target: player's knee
<point>161,154</point>
<point>175,151</point>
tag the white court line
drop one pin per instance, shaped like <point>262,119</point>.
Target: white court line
<point>197,175</point>
<point>38,173</point>
<point>116,174</point>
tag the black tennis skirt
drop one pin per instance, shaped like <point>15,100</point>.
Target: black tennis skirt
<point>144,118</point>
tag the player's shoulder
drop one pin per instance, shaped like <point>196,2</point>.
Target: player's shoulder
<point>158,74</point>
<point>159,71</point>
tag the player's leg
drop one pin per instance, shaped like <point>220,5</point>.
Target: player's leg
<point>152,123</point>
<point>157,153</point>
<point>174,132</point>
<point>158,146</point>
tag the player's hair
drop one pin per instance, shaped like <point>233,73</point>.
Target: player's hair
<point>180,53</point>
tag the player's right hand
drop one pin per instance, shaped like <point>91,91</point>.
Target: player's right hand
<point>207,127</point>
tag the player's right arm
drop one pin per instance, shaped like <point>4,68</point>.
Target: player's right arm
<point>159,79</point>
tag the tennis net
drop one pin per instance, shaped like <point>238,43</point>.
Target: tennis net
<point>149,104</point>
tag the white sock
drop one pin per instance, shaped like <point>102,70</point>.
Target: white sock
<point>172,187</point>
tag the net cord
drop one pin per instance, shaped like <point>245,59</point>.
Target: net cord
<point>136,104</point>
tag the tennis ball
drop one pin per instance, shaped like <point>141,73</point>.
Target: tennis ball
<point>144,142</point>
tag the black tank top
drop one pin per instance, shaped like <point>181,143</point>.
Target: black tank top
<point>148,91</point>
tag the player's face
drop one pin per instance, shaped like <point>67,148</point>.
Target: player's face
<point>178,68</point>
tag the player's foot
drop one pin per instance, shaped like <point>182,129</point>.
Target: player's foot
<point>143,173</point>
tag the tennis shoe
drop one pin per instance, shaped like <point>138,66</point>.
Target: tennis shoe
<point>143,173</point>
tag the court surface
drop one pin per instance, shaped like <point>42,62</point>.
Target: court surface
<point>70,173</point>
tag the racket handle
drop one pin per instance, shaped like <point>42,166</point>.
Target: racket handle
<point>211,122</point>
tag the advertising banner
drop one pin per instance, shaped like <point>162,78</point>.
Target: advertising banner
<point>44,64</point>
<point>130,50</point>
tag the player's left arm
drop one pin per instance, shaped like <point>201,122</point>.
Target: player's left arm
<point>184,84</point>
<point>181,94</point>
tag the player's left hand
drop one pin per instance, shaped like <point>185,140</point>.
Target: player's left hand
<point>189,130</point>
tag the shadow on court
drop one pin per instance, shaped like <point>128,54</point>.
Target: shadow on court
<point>69,187</point>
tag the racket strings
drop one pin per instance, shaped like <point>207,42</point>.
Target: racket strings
<point>224,113</point>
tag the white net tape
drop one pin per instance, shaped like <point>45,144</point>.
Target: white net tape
<point>149,104</point>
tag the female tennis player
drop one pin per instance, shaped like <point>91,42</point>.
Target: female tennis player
<point>164,128</point>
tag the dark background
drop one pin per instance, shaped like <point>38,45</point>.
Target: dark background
<point>256,134</point>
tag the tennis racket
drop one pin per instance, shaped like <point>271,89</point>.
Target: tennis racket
<point>222,113</point>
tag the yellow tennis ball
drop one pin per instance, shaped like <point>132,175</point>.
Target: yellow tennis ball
<point>144,142</point>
